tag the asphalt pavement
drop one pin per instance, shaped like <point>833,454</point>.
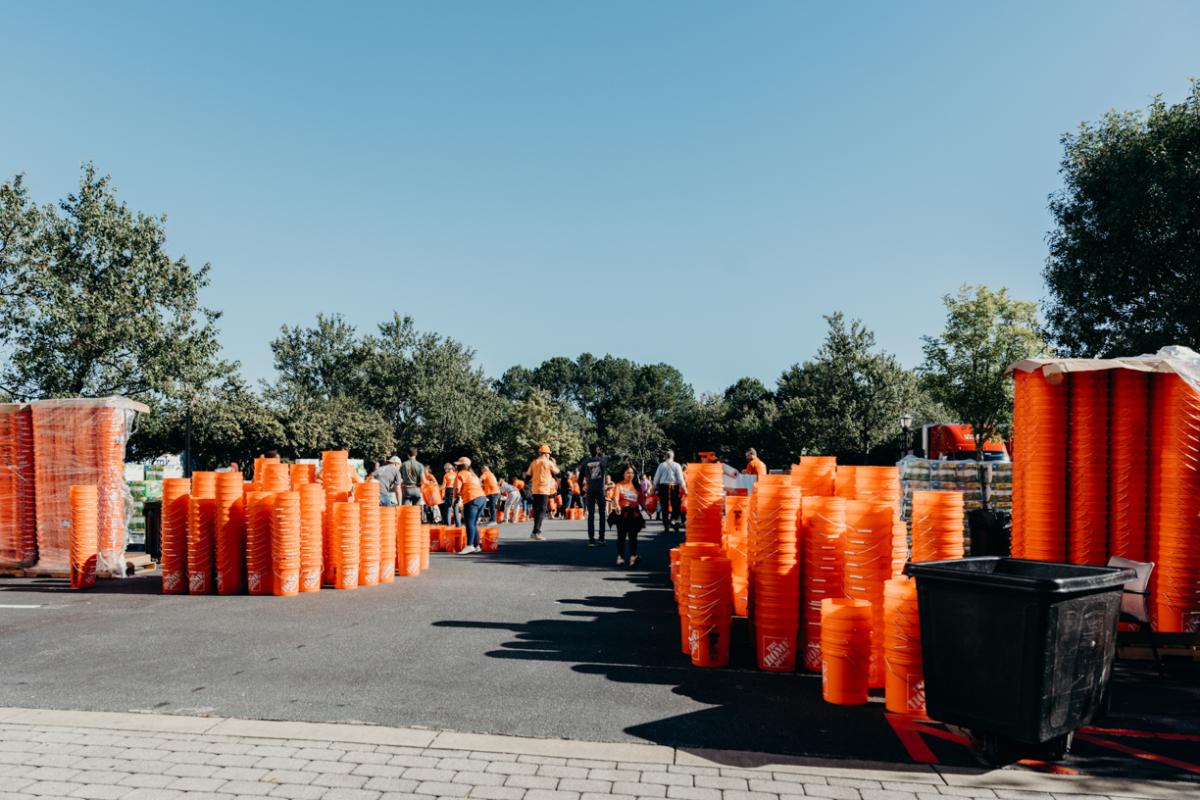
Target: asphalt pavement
<point>544,639</point>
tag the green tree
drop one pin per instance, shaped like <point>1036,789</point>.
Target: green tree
<point>95,305</point>
<point>324,361</point>
<point>535,421</point>
<point>964,366</point>
<point>1123,272</point>
<point>314,424</point>
<point>848,399</point>
<point>640,438</point>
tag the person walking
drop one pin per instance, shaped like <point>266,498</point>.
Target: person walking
<point>669,486</point>
<point>591,478</point>
<point>470,489</point>
<point>491,490</point>
<point>388,476</point>
<point>628,499</point>
<point>512,500</point>
<point>450,496</point>
<point>573,484</point>
<point>564,494</point>
<point>754,465</point>
<point>431,493</point>
<point>541,473</point>
<point>412,474</point>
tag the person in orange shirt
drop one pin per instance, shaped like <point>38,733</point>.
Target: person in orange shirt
<point>515,500</point>
<point>754,465</point>
<point>573,484</point>
<point>541,473</point>
<point>431,494</point>
<point>450,496</point>
<point>470,489</point>
<point>491,488</point>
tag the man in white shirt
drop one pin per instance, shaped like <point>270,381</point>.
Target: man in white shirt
<point>669,486</point>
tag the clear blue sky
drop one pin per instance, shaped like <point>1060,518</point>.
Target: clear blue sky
<point>695,183</point>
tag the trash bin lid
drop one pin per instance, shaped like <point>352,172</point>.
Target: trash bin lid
<point>1045,577</point>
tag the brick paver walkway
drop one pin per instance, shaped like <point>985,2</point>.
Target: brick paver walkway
<point>152,757</point>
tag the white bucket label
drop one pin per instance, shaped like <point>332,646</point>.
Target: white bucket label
<point>916,695</point>
<point>172,581</point>
<point>254,582</point>
<point>776,650</point>
<point>290,584</point>
<point>414,565</point>
<point>197,582</point>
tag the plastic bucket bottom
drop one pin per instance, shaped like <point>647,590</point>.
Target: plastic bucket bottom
<point>775,649</point>
<point>710,646</point>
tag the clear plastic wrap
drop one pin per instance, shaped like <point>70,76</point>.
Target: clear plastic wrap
<point>82,441</point>
<point>18,518</point>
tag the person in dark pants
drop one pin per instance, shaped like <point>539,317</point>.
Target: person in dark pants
<point>541,473</point>
<point>450,496</point>
<point>412,475</point>
<point>669,485</point>
<point>628,499</point>
<point>591,480</point>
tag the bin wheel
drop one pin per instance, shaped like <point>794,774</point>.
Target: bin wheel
<point>1057,748</point>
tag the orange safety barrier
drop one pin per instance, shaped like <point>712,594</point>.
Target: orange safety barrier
<point>344,547</point>
<point>368,533</point>
<point>904,692</point>
<point>258,542</point>
<point>822,527</point>
<point>312,515</point>
<point>844,483</point>
<point>408,541</point>
<point>867,554</point>
<point>937,525</point>
<point>201,542</point>
<point>1043,467</point>
<point>229,531</point>
<point>489,540</point>
<point>1175,506</point>
<point>1087,498</point>
<point>285,544</point>
<point>18,507</point>
<point>706,491</point>
<point>173,537</point>
<point>1128,468</point>
<point>710,611</point>
<point>846,647</point>
<point>83,537</point>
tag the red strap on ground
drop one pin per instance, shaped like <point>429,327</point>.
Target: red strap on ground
<point>1133,751</point>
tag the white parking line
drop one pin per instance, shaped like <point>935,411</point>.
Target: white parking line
<point>8,605</point>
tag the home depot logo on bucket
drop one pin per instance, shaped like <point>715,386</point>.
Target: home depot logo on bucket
<point>197,583</point>
<point>172,582</point>
<point>254,582</point>
<point>310,580</point>
<point>290,583</point>
<point>414,565</point>
<point>916,696</point>
<point>776,650</point>
<point>812,656</point>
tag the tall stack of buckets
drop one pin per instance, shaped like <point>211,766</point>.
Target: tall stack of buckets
<point>823,549</point>
<point>1105,463</point>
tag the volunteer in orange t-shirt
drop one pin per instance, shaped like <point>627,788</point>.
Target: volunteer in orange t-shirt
<point>450,497</point>
<point>431,494</point>
<point>470,489</point>
<point>754,465</point>
<point>491,489</point>
<point>541,473</point>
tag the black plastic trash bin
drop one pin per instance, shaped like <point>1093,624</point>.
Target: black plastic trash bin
<point>1017,652</point>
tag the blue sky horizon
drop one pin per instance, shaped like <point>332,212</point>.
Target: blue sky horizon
<point>691,183</point>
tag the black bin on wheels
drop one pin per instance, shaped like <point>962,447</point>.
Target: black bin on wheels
<point>1017,652</point>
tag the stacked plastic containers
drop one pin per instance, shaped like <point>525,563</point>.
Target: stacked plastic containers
<point>335,480</point>
<point>312,514</point>
<point>904,689</point>
<point>258,542</point>
<point>815,475</point>
<point>1175,506</point>
<point>387,543</point>
<point>302,475</point>
<point>344,546</point>
<point>285,544</point>
<point>737,550</point>
<point>230,533</point>
<point>1087,498</point>
<point>367,499</point>
<point>408,541</point>
<point>1043,460</point>
<point>83,538</point>
<point>174,535</point>
<point>937,525</point>
<point>1128,465</point>
<point>688,552</point>
<point>867,554</point>
<point>775,573</point>
<point>822,529</point>
<point>877,484</point>
<point>18,518</point>
<point>846,645</point>
<point>201,542</point>
<point>844,483</point>
<point>710,610</point>
<point>706,492</point>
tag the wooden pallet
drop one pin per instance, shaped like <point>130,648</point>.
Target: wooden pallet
<point>135,564</point>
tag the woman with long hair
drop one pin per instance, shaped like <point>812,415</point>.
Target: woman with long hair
<point>628,498</point>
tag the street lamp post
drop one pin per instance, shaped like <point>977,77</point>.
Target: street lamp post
<point>906,422</point>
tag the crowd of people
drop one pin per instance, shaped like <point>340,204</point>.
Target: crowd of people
<point>620,499</point>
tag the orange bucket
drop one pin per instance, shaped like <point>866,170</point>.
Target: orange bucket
<point>344,547</point>
<point>258,542</point>
<point>174,535</point>
<point>489,539</point>
<point>845,650</point>
<point>229,533</point>
<point>369,533</point>
<point>312,515</point>
<point>904,689</point>
<point>1087,497</point>
<point>387,543</point>
<point>408,543</point>
<point>84,537</point>
<point>435,539</point>
<point>201,543</point>
<point>1128,469</point>
<point>204,484</point>
<point>285,544</point>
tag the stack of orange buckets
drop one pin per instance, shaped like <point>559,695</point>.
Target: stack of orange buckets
<point>388,532</point>
<point>174,535</point>
<point>1087,498</point>
<point>409,541</point>
<point>846,637</point>
<point>1175,507</point>
<point>775,573</point>
<point>706,491</point>
<point>937,525</point>
<point>823,527</point>
<point>710,610</point>
<point>335,480</point>
<point>1040,484</point>
<point>344,546</point>
<point>18,523</point>
<point>1128,468</point>
<point>84,539</point>
<point>201,533</point>
<point>904,690</point>
<point>230,533</point>
<point>367,500</point>
<point>285,544</point>
<point>867,553</point>
<point>258,542</point>
<point>737,521</point>
<point>312,514</point>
